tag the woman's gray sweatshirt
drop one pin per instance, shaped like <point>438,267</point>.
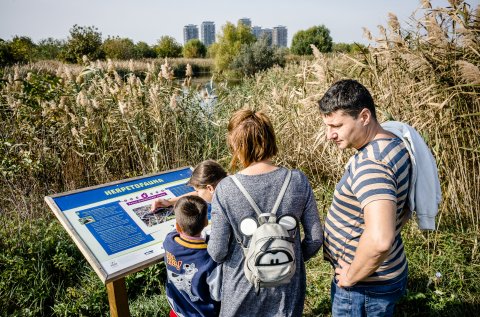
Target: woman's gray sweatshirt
<point>229,207</point>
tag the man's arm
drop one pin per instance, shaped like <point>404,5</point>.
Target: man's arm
<point>374,244</point>
<point>312,227</point>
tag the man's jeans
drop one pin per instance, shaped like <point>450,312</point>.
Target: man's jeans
<point>378,300</point>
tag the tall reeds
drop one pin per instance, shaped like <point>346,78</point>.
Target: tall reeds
<point>427,77</point>
<point>85,126</point>
<point>92,123</point>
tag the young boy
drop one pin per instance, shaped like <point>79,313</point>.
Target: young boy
<point>193,278</point>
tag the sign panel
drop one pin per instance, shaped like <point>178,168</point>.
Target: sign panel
<point>112,224</point>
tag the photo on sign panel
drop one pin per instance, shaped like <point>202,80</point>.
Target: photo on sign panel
<point>151,219</point>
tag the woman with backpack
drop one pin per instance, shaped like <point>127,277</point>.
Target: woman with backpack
<point>256,215</point>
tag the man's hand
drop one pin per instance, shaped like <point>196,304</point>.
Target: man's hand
<point>159,203</point>
<point>374,245</point>
<point>341,274</point>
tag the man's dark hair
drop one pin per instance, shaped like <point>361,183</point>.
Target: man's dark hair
<point>349,96</point>
<point>190,214</point>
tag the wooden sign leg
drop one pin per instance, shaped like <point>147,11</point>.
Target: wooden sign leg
<point>117,298</point>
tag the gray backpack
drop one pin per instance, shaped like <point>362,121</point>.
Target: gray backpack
<point>270,256</point>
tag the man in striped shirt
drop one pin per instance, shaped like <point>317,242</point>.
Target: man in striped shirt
<point>362,230</point>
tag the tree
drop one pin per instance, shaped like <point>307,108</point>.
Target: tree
<point>194,48</point>
<point>317,35</point>
<point>348,48</point>
<point>49,48</point>
<point>341,48</point>
<point>168,47</point>
<point>257,56</point>
<point>83,40</point>
<point>230,41</point>
<point>6,56</point>
<point>143,50</point>
<point>357,48</point>
<point>119,48</point>
<point>22,49</point>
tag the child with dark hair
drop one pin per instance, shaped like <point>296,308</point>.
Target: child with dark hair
<point>204,179</point>
<point>193,278</point>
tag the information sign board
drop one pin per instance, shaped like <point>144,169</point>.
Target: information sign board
<point>112,224</point>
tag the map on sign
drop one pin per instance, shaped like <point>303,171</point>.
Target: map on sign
<point>112,224</point>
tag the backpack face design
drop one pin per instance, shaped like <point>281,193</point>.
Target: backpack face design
<point>270,255</point>
<point>271,258</point>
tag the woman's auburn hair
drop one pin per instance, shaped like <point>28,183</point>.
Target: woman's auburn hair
<point>251,138</point>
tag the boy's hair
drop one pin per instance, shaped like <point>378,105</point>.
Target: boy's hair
<point>207,173</point>
<point>250,138</point>
<point>349,96</point>
<point>190,214</point>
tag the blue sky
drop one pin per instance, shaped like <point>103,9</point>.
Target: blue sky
<point>148,20</point>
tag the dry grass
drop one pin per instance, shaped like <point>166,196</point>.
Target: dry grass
<point>95,124</point>
<point>89,125</point>
<point>427,80</point>
<point>200,65</point>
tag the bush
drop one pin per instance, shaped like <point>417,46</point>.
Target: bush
<point>256,57</point>
<point>6,55</point>
<point>230,41</point>
<point>194,49</point>
<point>20,49</point>
<point>167,46</point>
<point>48,49</point>
<point>317,35</point>
<point>42,273</point>
<point>83,40</point>
<point>23,49</point>
<point>348,48</point>
<point>143,50</point>
<point>119,48</point>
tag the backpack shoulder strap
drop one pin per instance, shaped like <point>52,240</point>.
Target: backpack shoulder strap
<point>282,192</point>
<point>252,202</point>
<point>247,195</point>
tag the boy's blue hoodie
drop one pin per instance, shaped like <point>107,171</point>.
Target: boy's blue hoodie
<point>193,278</point>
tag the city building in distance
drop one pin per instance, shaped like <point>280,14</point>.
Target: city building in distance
<point>246,22</point>
<point>279,36</point>
<point>207,30</point>
<point>268,33</point>
<point>259,33</point>
<point>190,32</point>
